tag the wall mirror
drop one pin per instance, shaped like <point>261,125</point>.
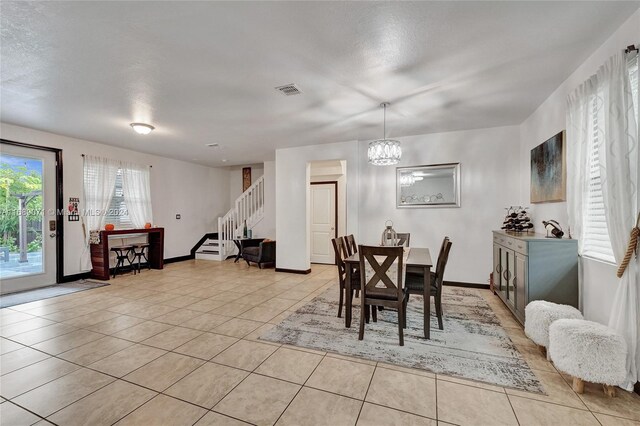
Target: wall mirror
<point>435,185</point>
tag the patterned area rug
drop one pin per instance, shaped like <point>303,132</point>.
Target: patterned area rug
<point>472,345</point>
<point>27,296</point>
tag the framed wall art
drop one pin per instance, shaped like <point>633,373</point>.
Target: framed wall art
<point>549,170</point>
<point>246,178</point>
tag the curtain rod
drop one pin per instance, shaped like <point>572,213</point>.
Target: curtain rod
<point>83,156</point>
<point>631,48</point>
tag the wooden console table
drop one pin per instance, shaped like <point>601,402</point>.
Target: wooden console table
<point>100,252</point>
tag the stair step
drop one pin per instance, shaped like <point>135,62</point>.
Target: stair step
<point>208,256</point>
<point>211,244</point>
<point>209,251</point>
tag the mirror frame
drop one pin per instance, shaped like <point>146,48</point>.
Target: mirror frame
<point>456,185</point>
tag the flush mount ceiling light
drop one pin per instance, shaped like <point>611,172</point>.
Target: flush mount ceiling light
<point>384,152</point>
<point>142,128</point>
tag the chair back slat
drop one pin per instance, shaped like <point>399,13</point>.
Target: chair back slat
<point>338,248</point>
<point>443,257</point>
<point>381,271</point>
<point>346,252</point>
<point>403,238</point>
<point>350,244</point>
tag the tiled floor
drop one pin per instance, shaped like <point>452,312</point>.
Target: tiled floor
<point>179,347</point>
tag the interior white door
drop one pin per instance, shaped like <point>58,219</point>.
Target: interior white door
<point>28,192</point>
<point>323,222</point>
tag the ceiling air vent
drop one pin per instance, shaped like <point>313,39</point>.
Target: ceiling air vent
<point>289,90</point>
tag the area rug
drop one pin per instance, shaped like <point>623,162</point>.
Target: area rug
<point>472,345</point>
<point>27,296</point>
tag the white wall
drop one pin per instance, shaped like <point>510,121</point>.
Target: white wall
<point>599,285</point>
<point>235,179</point>
<point>292,198</point>
<point>490,179</point>
<point>489,182</point>
<point>199,194</point>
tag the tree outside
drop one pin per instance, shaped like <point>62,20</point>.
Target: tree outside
<point>20,177</point>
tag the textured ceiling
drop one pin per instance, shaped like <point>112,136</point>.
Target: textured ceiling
<point>205,72</point>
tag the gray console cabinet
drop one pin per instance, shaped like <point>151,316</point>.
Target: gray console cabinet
<point>531,267</point>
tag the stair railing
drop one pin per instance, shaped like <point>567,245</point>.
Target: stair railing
<point>249,208</point>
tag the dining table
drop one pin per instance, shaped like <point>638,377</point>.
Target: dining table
<point>418,260</point>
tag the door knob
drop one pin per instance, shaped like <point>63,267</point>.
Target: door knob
<point>52,235</point>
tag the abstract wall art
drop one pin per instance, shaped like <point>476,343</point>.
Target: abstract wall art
<point>548,171</point>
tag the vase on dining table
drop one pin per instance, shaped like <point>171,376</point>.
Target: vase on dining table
<point>389,235</point>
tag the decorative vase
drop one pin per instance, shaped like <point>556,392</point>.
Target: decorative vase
<point>109,227</point>
<point>389,235</point>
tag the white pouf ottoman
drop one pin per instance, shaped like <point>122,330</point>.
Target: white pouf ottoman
<point>588,351</point>
<point>539,315</point>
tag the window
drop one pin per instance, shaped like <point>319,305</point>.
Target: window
<point>118,213</point>
<point>597,243</point>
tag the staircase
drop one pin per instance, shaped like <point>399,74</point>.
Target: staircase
<point>249,208</point>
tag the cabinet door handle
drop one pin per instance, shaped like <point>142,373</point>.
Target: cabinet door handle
<point>504,275</point>
<point>515,280</point>
<point>499,268</point>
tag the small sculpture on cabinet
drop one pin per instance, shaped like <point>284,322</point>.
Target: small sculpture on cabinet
<point>517,219</point>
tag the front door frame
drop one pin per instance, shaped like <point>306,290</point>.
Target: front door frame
<point>335,184</point>
<point>59,203</point>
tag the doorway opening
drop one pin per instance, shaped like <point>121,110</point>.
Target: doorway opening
<point>31,217</point>
<point>327,213</point>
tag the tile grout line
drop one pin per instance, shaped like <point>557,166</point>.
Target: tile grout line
<point>299,390</point>
<point>513,410</point>
<point>436,388</point>
<point>26,409</point>
<point>364,399</point>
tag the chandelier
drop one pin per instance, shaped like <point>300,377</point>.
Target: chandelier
<point>407,180</point>
<point>384,152</point>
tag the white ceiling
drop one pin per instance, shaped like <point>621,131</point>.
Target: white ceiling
<point>205,72</point>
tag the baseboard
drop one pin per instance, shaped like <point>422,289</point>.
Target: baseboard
<point>180,258</point>
<point>294,271</point>
<point>86,275</point>
<point>466,285</point>
<point>76,277</point>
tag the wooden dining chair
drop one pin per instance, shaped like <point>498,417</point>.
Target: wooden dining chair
<point>403,238</point>
<point>380,287</point>
<point>339,249</point>
<point>415,281</point>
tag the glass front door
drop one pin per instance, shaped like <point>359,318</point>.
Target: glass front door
<point>27,218</point>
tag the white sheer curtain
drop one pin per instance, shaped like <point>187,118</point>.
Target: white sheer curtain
<point>601,111</point>
<point>579,139</point>
<point>137,193</point>
<point>619,172</point>
<point>99,183</point>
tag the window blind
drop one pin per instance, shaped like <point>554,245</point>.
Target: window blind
<point>596,234</point>
<point>597,243</point>
<point>117,213</point>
